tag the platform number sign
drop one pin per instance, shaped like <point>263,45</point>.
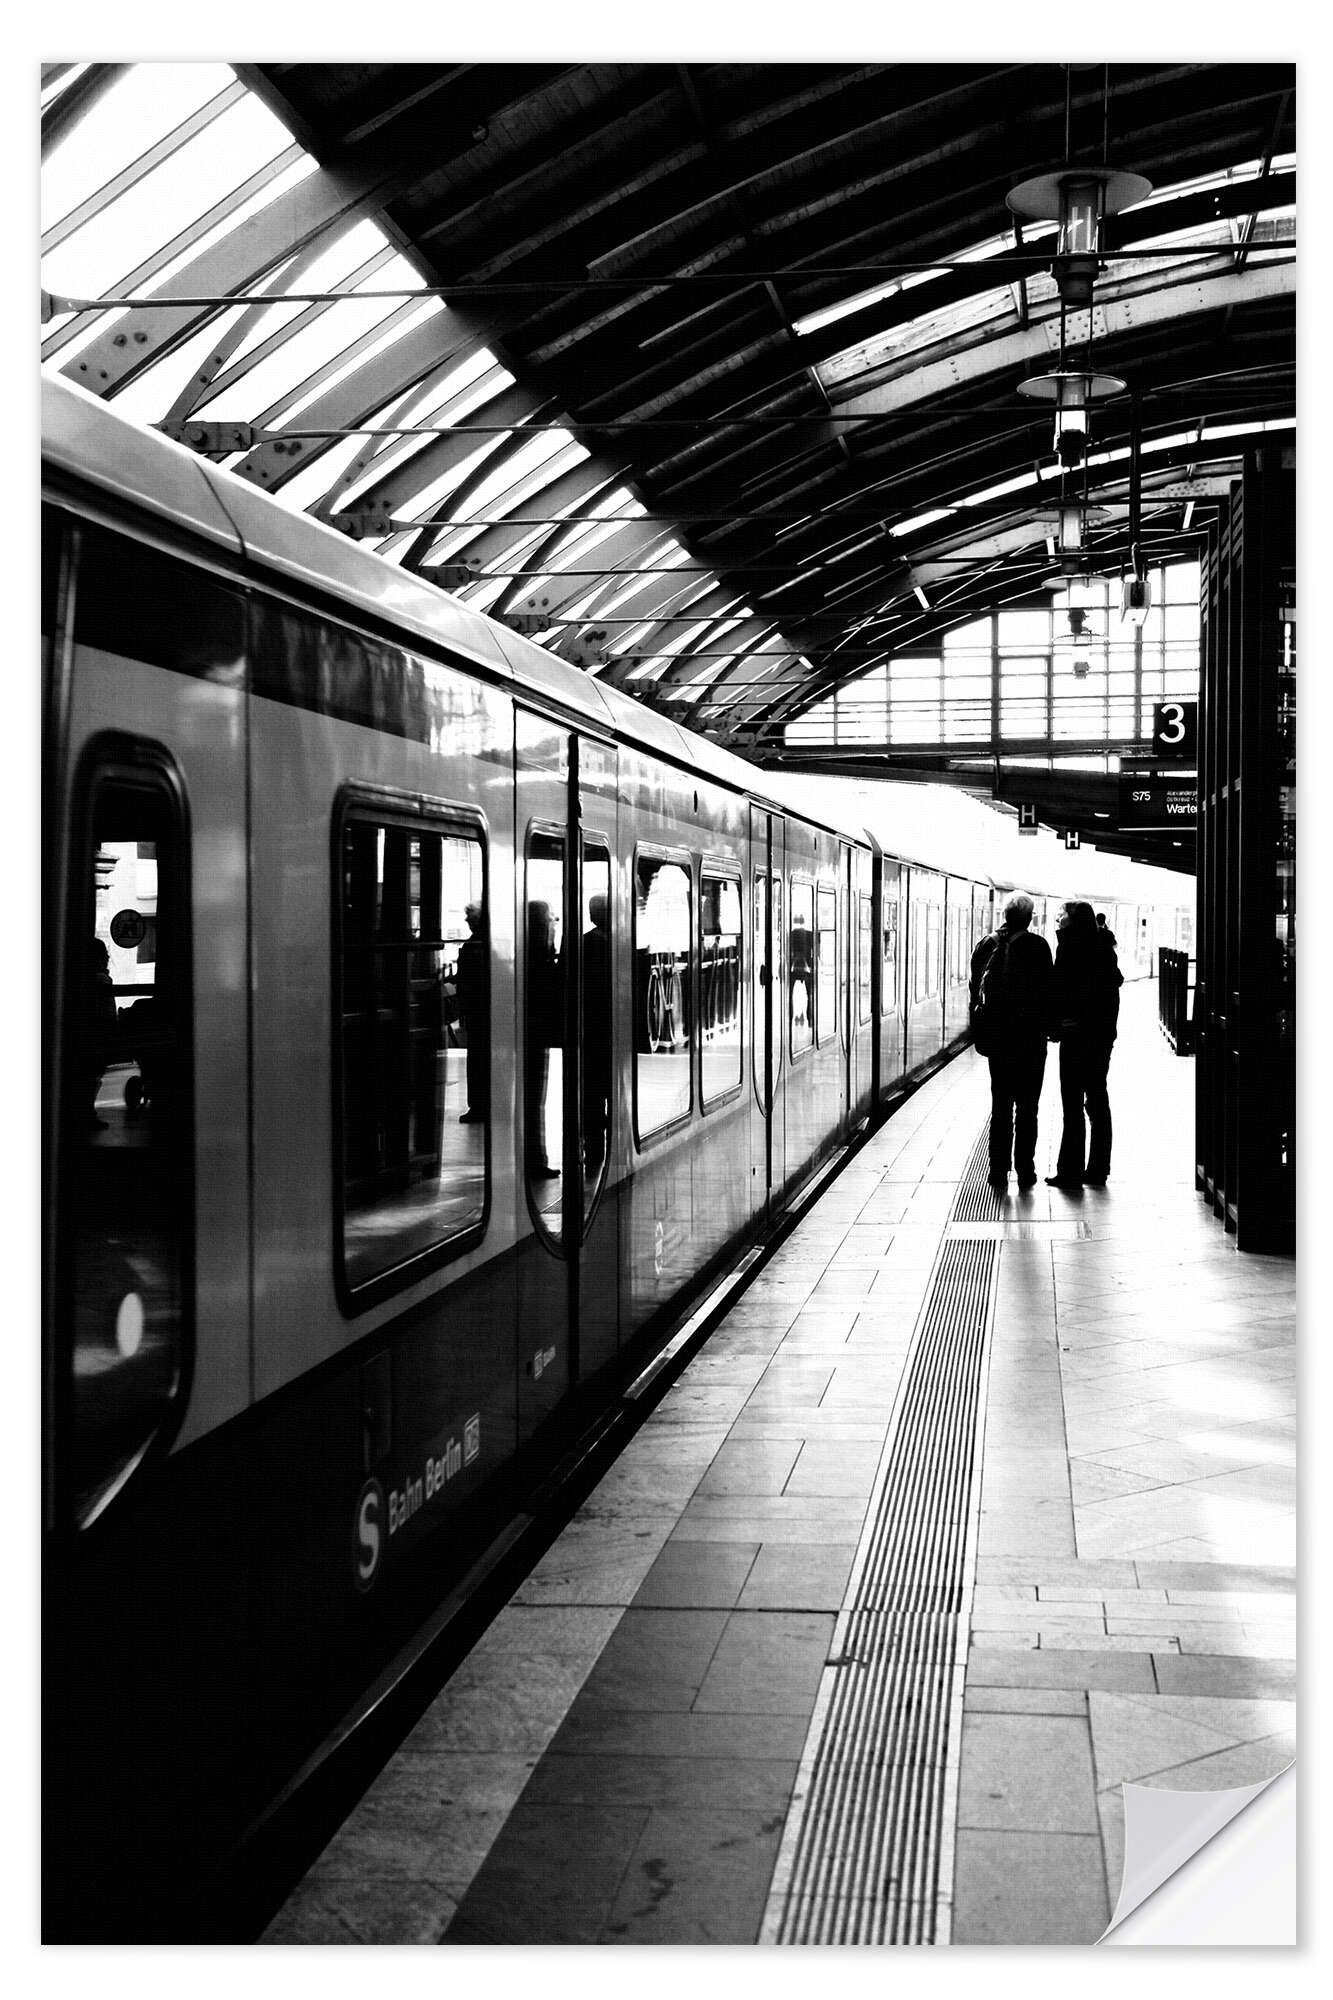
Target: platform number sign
<point>1175,731</point>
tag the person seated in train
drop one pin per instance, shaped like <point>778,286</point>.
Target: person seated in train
<point>1087,1008</point>
<point>474,1004</point>
<point>596,1032</point>
<point>99,1029</point>
<point>1016,991</point>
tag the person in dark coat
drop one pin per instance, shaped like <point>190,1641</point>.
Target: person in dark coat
<point>596,1033</point>
<point>1018,1021</point>
<point>474,1002</point>
<point>544,1032</point>
<point>1087,1008</point>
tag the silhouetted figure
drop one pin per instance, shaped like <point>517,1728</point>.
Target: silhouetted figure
<point>1087,1008</point>
<point>97,1029</point>
<point>1011,981</point>
<point>596,1033</point>
<point>474,1006</point>
<point>542,1034</point>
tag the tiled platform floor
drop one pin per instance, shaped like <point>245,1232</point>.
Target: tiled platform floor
<point>615,1759</point>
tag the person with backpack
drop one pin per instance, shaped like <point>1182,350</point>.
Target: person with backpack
<point>1087,1008</point>
<point>1011,1018</point>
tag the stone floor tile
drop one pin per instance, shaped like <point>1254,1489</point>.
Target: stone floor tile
<point>1198,1673</point>
<point>767,1662</point>
<point>1028,1772</point>
<point>1070,1638</point>
<point>589,1564</point>
<point>509,1705</point>
<point>1028,1888</point>
<point>698,1575</point>
<point>1260,1642</point>
<point>750,1465</point>
<point>1025,1701</point>
<point>552,1876</point>
<point>365,1912</point>
<point>656,1658</point>
<point>696,1877</point>
<point>1236,1719</point>
<point>745,1784</point>
<point>1134,1738</point>
<point>1242,1764</point>
<point>1216,1576</point>
<point>714,1735</point>
<point>786,1578</point>
<point>1126,1672</point>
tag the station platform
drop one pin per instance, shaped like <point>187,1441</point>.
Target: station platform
<point>972,1509</point>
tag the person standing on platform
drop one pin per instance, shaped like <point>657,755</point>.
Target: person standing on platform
<point>1011,1016</point>
<point>1087,1008</point>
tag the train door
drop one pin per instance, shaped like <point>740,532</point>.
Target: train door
<point>846,977</point>
<point>572,1135</point>
<point>593,1115</point>
<point>545,889</point>
<point>767,986</point>
<point>146,1259</point>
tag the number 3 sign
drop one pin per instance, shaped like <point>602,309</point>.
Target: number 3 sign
<point>1175,731</point>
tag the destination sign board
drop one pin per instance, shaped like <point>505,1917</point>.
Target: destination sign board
<point>1151,802</point>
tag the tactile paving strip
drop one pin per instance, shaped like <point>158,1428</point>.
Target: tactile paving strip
<point>863,1859</point>
<point>977,1200</point>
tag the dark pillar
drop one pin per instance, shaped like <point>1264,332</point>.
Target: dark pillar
<point>1246,1000</point>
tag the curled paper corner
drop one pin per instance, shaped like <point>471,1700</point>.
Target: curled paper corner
<point>1164,1830</point>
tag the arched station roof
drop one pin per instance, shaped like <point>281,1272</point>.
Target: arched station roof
<point>705,375</point>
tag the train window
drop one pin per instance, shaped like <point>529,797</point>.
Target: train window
<point>598,1039</point>
<point>864,950</point>
<point>414,1059</point>
<point>663,930</point>
<point>720,984</point>
<point>826,956</point>
<point>125,1196</point>
<point>544,1029</point>
<point>888,984</point>
<point>130,599</point>
<point>801,969</point>
<point>932,949</point>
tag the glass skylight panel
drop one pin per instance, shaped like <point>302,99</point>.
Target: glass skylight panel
<point>142,106</point>
<point>921,520</point>
<point>167,200</point>
<point>161,273</point>
<point>429,500</point>
<point>915,335</point>
<point>521,456</point>
<point>842,308</point>
<point>668,555</point>
<point>449,402</point>
<point>1014,485</point>
<point>58,85</point>
<point>481,595</point>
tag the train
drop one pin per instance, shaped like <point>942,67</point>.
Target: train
<point>425,1025</point>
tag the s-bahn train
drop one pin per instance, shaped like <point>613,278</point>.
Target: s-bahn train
<point>425,1023</point>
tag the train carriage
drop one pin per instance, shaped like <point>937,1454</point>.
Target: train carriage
<point>425,1025</point>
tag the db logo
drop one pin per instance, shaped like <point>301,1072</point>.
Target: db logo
<point>368,1535</point>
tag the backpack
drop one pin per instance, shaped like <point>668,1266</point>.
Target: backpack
<point>988,1010</point>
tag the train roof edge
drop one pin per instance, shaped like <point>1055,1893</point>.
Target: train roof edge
<point>88,440</point>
